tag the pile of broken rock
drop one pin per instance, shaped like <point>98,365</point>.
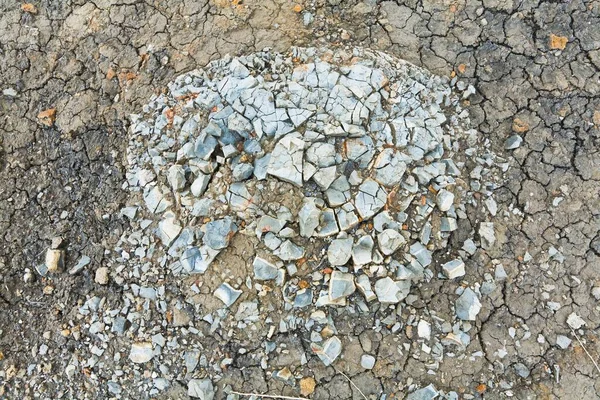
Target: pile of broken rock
<point>345,171</point>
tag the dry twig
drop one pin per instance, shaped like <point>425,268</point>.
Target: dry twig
<point>269,396</point>
<point>586,351</point>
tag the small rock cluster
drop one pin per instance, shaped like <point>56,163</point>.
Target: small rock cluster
<point>347,169</point>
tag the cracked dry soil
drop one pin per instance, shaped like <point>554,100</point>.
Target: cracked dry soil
<point>85,66</point>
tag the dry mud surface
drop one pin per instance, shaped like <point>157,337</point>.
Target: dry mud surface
<point>72,72</point>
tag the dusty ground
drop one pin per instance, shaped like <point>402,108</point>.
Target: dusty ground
<point>536,69</point>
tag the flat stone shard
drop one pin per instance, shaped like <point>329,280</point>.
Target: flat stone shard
<point>176,177</point>
<point>388,291</point>
<point>444,200</point>
<point>468,305</point>
<point>168,230</point>
<point>426,393</point>
<point>454,269</point>
<point>389,168</point>
<point>389,241</point>
<point>575,321</point>
<point>329,351</point>
<point>308,217</point>
<point>367,361</point>
<point>286,160</point>
<point>141,352</point>
<point>339,251</point>
<point>264,270</point>
<point>218,233</point>
<point>227,294</point>
<point>487,234</point>
<point>341,285</point>
<point>370,198</point>
<point>289,251</point>
<point>201,389</point>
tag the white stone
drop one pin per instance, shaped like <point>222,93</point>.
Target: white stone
<point>367,361</point>
<point>454,269</point>
<point>389,241</point>
<point>286,159</point>
<point>339,251</point>
<point>444,199</point>
<point>141,352</point>
<point>468,305</point>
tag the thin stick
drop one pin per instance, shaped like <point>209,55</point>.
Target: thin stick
<point>584,349</point>
<point>352,383</point>
<point>345,376</point>
<point>269,396</point>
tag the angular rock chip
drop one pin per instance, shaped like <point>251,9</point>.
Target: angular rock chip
<point>426,393</point>
<point>444,200</point>
<point>201,389</point>
<point>168,230</point>
<point>339,251</point>
<point>454,269</point>
<point>362,252</point>
<point>467,305</point>
<point>329,351</point>
<point>176,177</point>
<point>487,234</point>
<point>341,285</point>
<point>264,270</point>
<point>388,291</point>
<point>141,352</point>
<point>286,160</point>
<point>389,168</point>
<point>227,294</point>
<point>389,241</point>
<point>289,251</point>
<point>218,233</point>
<point>308,217</point>
<point>370,198</point>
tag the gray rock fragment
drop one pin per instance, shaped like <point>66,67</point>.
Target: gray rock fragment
<point>364,285</point>
<point>454,269</point>
<point>286,159</point>
<point>426,393</point>
<point>141,352</point>
<point>201,389</point>
<point>388,291</point>
<point>389,168</point>
<point>367,361</point>
<point>308,217</point>
<point>218,233</point>
<point>200,184</point>
<point>339,251</point>
<point>370,198</point>
<point>289,251</point>
<point>487,233</point>
<point>563,341</point>
<point>329,351</point>
<point>81,264</point>
<point>264,270</point>
<point>341,285</point>
<point>389,241</point>
<point>362,251</point>
<point>168,230</point>
<point>176,177</point>
<point>513,142</point>
<point>227,294</point>
<point>444,199</point>
<point>468,305</point>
